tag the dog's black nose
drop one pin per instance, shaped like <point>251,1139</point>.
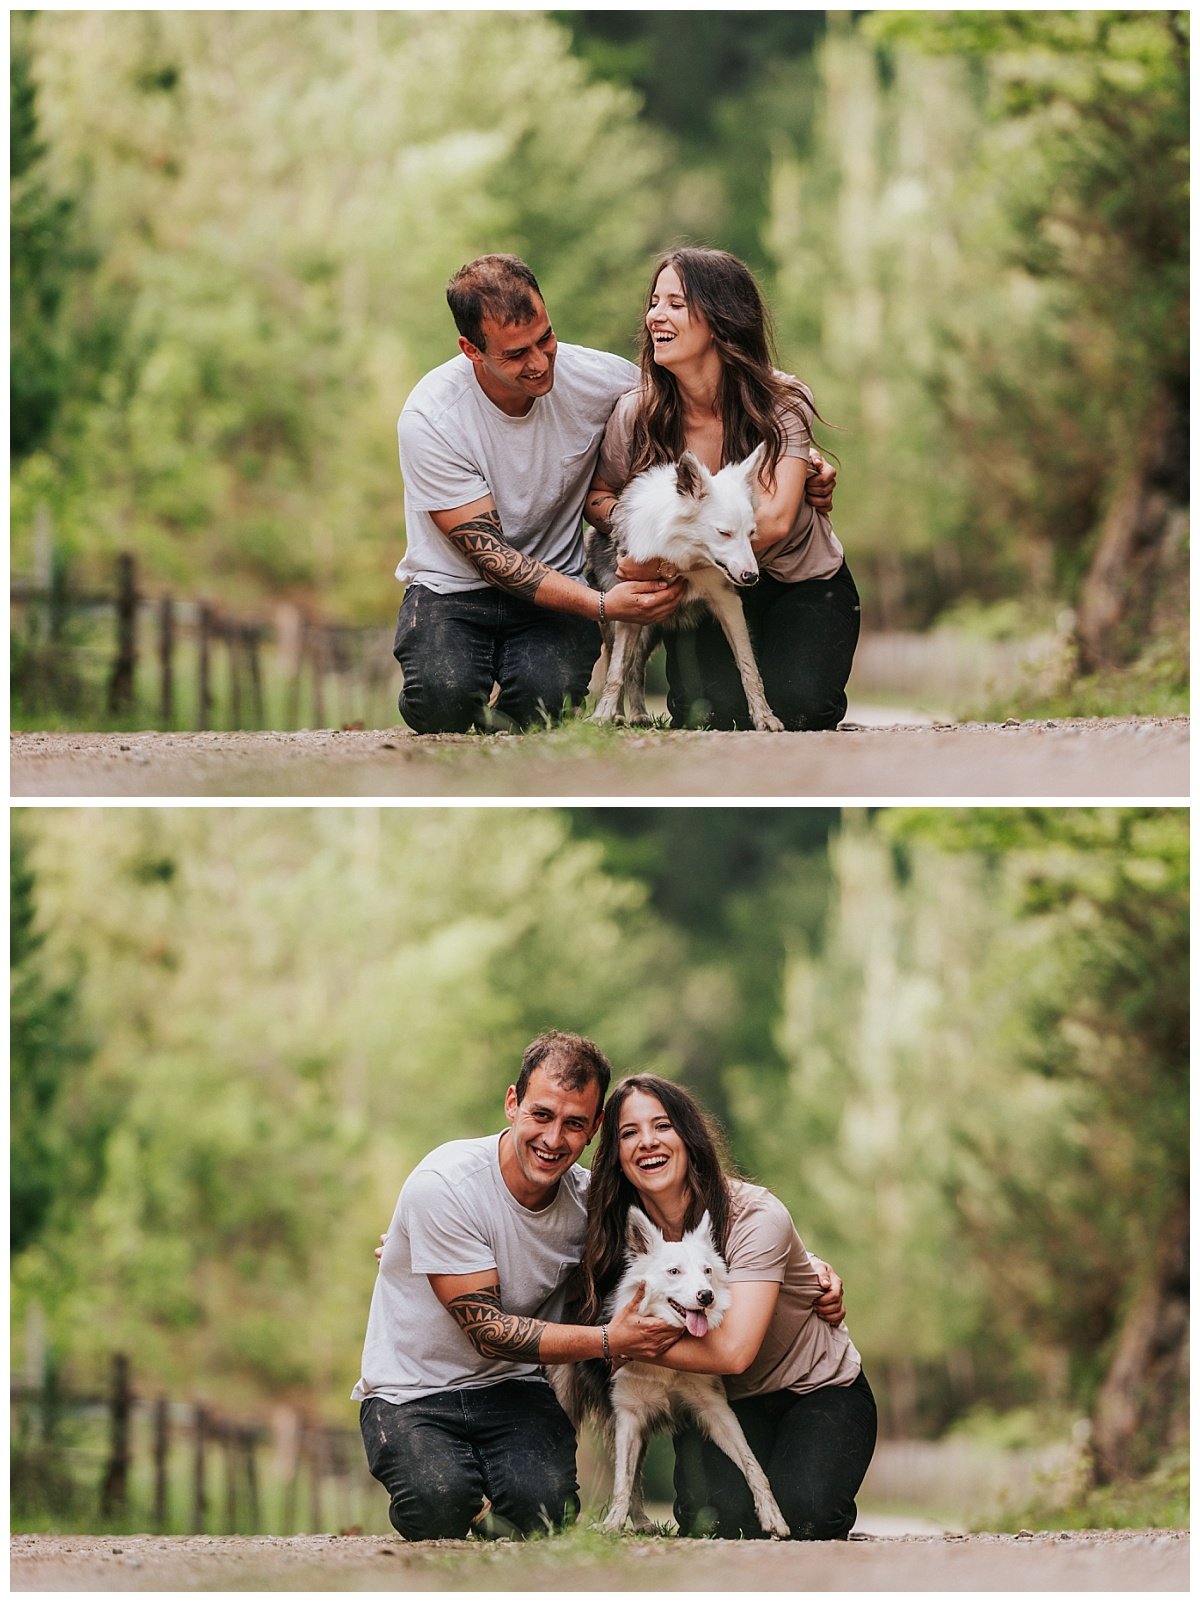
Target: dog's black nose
<point>747,579</point>
<point>704,1297</point>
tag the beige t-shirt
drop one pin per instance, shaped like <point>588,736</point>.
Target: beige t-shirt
<point>810,550</point>
<point>800,1351</point>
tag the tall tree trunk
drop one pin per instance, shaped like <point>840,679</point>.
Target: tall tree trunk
<point>1144,1394</point>
<point>1141,554</point>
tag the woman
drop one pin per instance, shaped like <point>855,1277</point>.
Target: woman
<point>709,385</point>
<point>794,1381</point>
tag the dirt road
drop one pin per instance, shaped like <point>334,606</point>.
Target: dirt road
<point>1094,758</point>
<point>1110,1560</point>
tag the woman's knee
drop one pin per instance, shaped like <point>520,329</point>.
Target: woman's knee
<point>801,711</point>
<point>818,1515</point>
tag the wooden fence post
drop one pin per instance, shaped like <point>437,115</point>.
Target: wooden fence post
<point>120,684</point>
<point>161,1444</point>
<point>204,695</point>
<point>233,655</point>
<point>316,1468</point>
<point>249,1441</point>
<point>230,1455</point>
<point>166,665</point>
<point>199,1500</point>
<point>318,677</point>
<point>253,637</point>
<point>114,1493</point>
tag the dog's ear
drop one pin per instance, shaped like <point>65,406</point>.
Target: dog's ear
<point>691,477</point>
<point>704,1227</point>
<point>639,1231</point>
<point>752,466</point>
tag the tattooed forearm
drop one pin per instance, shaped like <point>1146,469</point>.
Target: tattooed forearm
<point>482,540</point>
<point>492,1331</point>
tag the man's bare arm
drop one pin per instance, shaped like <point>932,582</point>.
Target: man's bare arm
<point>481,540</point>
<point>473,1301</point>
<point>492,1331</point>
<point>476,531</point>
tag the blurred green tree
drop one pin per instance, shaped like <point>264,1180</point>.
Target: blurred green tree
<point>1086,104</point>
<point>1108,1017</point>
<point>56,1140</point>
<point>278,210</point>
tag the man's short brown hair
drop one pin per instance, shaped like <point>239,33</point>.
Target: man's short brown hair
<point>573,1060</point>
<point>500,287</point>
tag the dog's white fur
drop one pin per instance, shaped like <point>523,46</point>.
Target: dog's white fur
<point>702,524</point>
<point>686,1283</point>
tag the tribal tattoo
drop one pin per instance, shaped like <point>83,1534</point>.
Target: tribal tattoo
<point>482,540</point>
<point>492,1331</point>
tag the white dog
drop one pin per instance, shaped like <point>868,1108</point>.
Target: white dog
<point>686,1283</point>
<point>702,524</point>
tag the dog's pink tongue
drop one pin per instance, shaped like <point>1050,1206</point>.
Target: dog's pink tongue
<point>697,1323</point>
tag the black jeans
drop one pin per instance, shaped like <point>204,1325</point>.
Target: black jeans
<point>804,637</point>
<point>814,1448</point>
<point>440,1457</point>
<point>453,648</point>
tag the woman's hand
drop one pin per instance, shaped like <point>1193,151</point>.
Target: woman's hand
<point>818,490</point>
<point>379,1248</point>
<point>643,601</point>
<point>829,1305</point>
<point>635,1335</point>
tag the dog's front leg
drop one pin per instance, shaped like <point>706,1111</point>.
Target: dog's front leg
<point>624,638</point>
<point>637,1505</point>
<point>635,674</point>
<point>728,610</point>
<point>720,1423</point>
<point>627,1454</point>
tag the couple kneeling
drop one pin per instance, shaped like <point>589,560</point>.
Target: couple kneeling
<point>489,1239</point>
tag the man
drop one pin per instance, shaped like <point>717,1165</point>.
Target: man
<point>497,447</point>
<point>467,1306</point>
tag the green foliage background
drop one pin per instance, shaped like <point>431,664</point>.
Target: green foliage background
<point>232,231</point>
<point>954,1043</point>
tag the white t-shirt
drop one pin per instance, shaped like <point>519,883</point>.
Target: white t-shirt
<point>456,446</point>
<point>456,1215</point>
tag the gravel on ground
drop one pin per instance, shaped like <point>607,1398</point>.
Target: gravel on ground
<point>1098,758</point>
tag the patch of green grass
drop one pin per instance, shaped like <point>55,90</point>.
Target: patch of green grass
<point>1159,1501</point>
<point>1155,686</point>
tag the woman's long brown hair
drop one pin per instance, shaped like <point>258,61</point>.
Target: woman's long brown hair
<point>752,394</point>
<point>610,1194</point>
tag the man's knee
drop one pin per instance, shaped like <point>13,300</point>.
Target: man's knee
<point>538,1507</point>
<point>434,1510</point>
<point>443,706</point>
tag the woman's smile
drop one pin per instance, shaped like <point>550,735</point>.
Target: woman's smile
<point>653,1156</point>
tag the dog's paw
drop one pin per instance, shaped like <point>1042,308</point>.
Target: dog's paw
<point>768,723</point>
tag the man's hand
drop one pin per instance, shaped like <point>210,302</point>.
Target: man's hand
<point>649,601</point>
<point>627,568</point>
<point>632,1334</point>
<point>818,488</point>
<point>829,1305</point>
<point>379,1248</point>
